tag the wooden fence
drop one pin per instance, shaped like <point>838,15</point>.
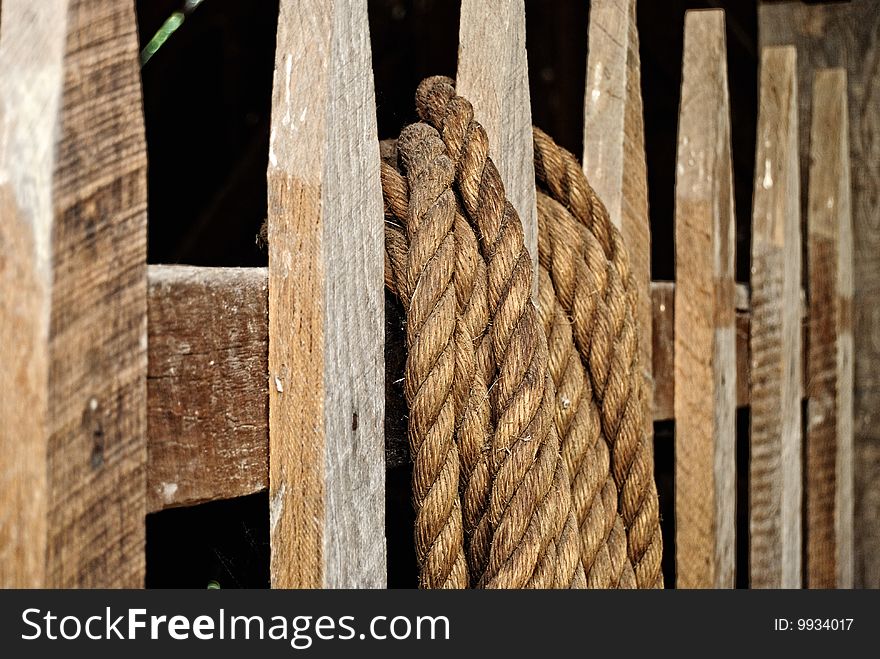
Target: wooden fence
<point>134,388</point>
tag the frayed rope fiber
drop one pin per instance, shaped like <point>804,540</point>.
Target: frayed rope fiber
<point>532,467</point>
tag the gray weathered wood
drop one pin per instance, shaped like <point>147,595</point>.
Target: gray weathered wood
<point>207,395</point>
<point>493,74</point>
<point>614,146</point>
<point>829,431</point>
<point>326,368</point>
<point>776,360</point>
<point>73,316</point>
<point>844,35</point>
<point>705,332</point>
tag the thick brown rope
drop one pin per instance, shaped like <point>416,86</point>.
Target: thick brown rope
<point>473,356</point>
<point>537,525</point>
<point>430,364</point>
<point>522,393</point>
<point>591,275</point>
<point>584,449</point>
<point>539,500</point>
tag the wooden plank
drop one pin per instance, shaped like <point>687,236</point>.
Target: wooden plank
<point>326,304</point>
<point>73,316</point>
<point>829,432</point>
<point>200,315</point>
<point>614,143</point>
<point>845,35</point>
<point>705,332</point>
<point>207,395</point>
<point>493,74</point>
<point>776,362</point>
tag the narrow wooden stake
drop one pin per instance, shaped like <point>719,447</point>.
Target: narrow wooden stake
<point>326,368</point>
<point>73,316</point>
<point>705,332</point>
<point>614,146</point>
<point>776,360</point>
<point>493,73</point>
<point>829,436</point>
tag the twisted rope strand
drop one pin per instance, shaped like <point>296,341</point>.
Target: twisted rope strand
<point>530,503</point>
<point>430,364</point>
<point>585,452</point>
<point>556,467</point>
<point>590,270</point>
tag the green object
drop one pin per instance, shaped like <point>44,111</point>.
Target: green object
<point>213,585</point>
<point>168,28</point>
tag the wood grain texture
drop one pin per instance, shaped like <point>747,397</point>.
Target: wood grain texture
<point>326,309</point>
<point>208,426</point>
<point>705,332</point>
<point>775,487</point>
<point>847,35</point>
<point>493,74</point>
<point>73,316</point>
<point>829,431</point>
<point>207,392</point>
<point>663,329</point>
<point>614,144</point>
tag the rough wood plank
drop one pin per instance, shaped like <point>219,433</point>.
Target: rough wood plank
<point>207,393</point>
<point>614,143</point>
<point>776,361</point>
<point>846,35</point>
<point>705,332</point>
<point>200,315</point>
<point>326,309</point>
<point>493,73</point>
<point>73,317</point>
<point>829,432</point>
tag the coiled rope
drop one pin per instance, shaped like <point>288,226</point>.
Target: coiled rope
<point>531,466</point>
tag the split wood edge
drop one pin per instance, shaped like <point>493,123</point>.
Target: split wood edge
<point>326,304</point>
<point>705,331</point>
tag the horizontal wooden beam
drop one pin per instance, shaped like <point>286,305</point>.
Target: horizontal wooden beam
<point>207,386</point>
<point>207,391</point>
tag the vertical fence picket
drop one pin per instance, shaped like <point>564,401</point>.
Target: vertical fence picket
<point>493,74</point>
<point>614,148</point>
<point>775,487</point>
<point>829,431</point>
<point>705,332</point>
<point>326,366</point>
<point>73,316</point>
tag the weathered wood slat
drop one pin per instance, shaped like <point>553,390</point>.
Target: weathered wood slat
<point>326,368</point>
<point>208,399</point>
<point>829,431</point>
<point>493,74</point>
<point>190,399</point>
<point>844,34</point>
<point>614,143</point>
<point>73,317</point>
<point>705,332</point>
<point>776,360</point>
